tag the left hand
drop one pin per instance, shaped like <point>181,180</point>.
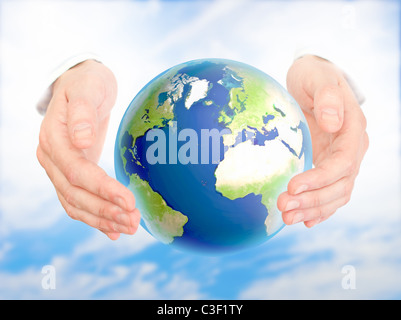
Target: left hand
<point>339,140</point>
<point>71,139</point>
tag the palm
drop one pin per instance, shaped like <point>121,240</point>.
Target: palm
<point>322,142</point>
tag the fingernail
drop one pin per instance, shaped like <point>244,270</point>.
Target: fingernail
<point>135,218</point>
<point>120,202</point>
<point>116,227</point>
<point>301,189</point>
<point>293,204</point>
<point>124,219</point>
<point>330,115</point>
<point>83,131</point>
<point>298,217</point>
<point>120,228</point>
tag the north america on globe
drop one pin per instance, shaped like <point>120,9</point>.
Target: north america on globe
<point>207,147</point>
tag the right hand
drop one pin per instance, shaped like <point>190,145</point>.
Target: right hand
<point>339,142</point>
<point>71,139</point>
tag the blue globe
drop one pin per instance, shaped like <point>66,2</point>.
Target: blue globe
<point>207,147</point>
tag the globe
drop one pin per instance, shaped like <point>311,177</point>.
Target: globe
<point>207,147</point>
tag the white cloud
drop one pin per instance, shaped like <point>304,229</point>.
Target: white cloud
<point>142,280</point>
<point>363,234</point>
<point>105,250</point>
<point>374,253</point>
<point>208,17</point>
<point>4,248</point>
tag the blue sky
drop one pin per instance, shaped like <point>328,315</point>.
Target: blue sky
<point>138,40</point>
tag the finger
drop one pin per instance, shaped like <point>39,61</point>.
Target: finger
<point>315,83</point>
<point>109,227</point>
<point>87,202</point>
<point>127,222</point>
<point>329,107</point>
<point>83,100</point>
<point>312,223</point>
<point>316,198</point>
<point>85,174</point>
<point>112,235</point>
<point>316,213</point>
<point>326,173</point>
<point>89,219</point>
<point>343,159</point>
<point>103,225</point>
<point>95,151</point>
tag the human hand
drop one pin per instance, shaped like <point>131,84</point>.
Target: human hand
<point>71,139</point>
<point>339,141</point>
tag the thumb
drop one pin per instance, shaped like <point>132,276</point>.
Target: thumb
<point>329,107</point>
<point>82,121</point>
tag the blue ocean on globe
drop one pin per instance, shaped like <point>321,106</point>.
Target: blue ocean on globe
<point>207,147</point>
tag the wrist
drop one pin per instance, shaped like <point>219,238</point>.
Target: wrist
<point>44,101</point>
<point>79,67</point>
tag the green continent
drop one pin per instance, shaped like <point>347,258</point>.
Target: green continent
<point>155,107</point>
<point>161,220</point>
<point>251,96</point>
<point>270,189</point>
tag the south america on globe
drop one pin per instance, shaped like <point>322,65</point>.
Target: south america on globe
<point>207,147</point>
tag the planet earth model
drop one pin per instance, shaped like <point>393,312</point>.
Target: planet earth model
<point>207,147</point>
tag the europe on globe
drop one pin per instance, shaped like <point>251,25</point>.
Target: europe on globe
<point>207,147</point>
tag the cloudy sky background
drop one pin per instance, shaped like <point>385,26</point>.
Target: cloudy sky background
<point>140,39</point>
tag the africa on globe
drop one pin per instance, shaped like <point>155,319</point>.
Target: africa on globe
<point>207,147</point>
